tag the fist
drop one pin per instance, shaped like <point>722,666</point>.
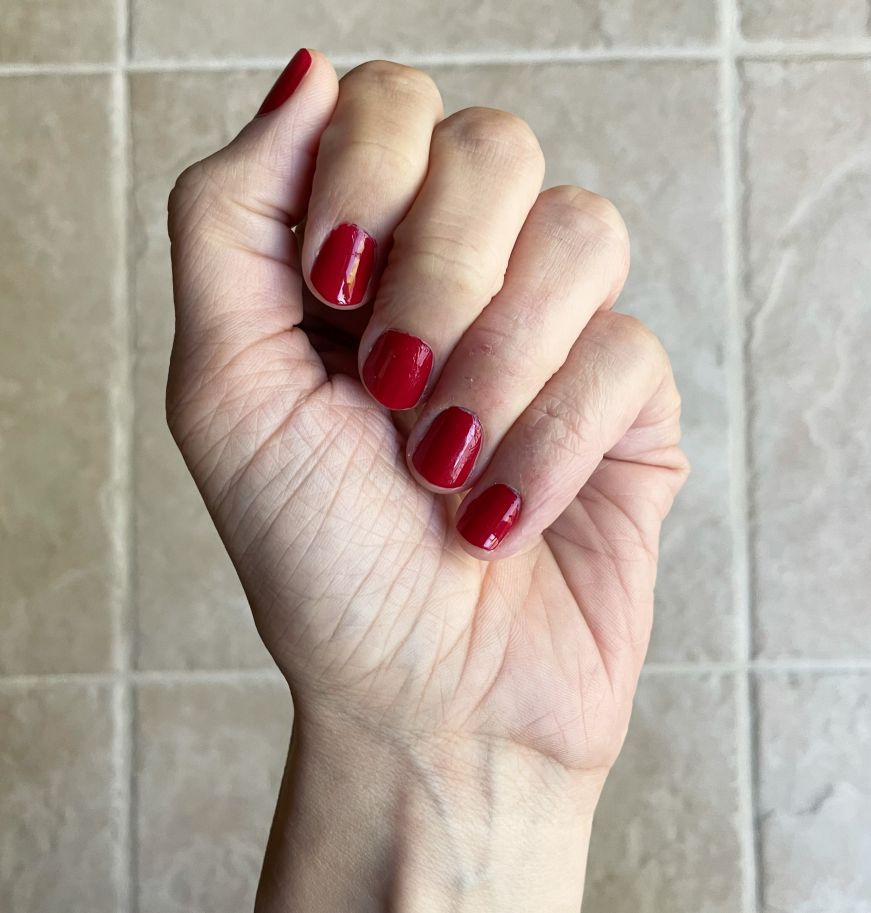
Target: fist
<point>436,454</point>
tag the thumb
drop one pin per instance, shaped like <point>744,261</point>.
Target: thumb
<point>236,278</point>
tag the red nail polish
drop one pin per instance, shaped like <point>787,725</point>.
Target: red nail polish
<point>447,452</point>
<point>287,83</point>
<point>487,519</point>
<point>344,265</point>
<point>397,369</point>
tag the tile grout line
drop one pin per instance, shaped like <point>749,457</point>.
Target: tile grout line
<point>763,50</point>
<point>122,463</point>
<point>411,57</point>
<point>151,677</point>
<point>730,138</point>
<point>175,677</point>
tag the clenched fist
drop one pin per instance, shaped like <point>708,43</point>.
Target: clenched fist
<point>439,461</point>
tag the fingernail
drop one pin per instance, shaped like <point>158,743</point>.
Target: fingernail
<point>397,369</point>
<point>287,83</point>
<point>487,520</point>
<point>447,452</point>
<point>344,265</point>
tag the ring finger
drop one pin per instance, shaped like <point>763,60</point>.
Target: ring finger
<point>570,260</point>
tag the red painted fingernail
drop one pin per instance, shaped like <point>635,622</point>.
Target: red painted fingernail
<point>397,369</point>
<point>287,83</point>
<point>344,265</point>
<point>447,452</point>
<point>487,520</point>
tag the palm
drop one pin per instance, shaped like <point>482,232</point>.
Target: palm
<point>363,596</point>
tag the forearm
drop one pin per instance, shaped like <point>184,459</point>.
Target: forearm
<point>371,824</point>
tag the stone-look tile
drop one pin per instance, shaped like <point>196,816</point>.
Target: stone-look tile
<point>814,738</point>
<point>57,360</point>
<point>57,31</point>
<point>808,164</point>
<point>595,126</point>
<point>189,28</point>
<point>190,608</point>
<point>804,19</point>
<point>208,762</point>
<point>664,837</point>
<point>59,828</point>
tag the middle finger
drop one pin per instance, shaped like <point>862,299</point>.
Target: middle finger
<point>451,251</point>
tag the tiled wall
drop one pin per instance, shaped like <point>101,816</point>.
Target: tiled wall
<point>142,729</point>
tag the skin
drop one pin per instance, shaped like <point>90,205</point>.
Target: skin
<point>456,711</point>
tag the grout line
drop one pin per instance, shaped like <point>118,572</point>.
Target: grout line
<point>848,664</point>
<point>761,666</point>
<point>268,675</point>
<point>57,69</point>
<point>730,139</point>
<point>447,58</point>
<point>123,458</point>
<point>210,676</point>
<point>803,50</point>
<point>142,677</point>
<point>761,50</point>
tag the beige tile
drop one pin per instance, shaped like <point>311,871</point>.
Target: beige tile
<point>208,763</point>
<point>57,31</point>
<point>191,29</point>
<point>765,19</point>
<point>664,837</point>
<point>59,827</point>
<point>808,161</point>
<point>190,608</point>
<point>596,129</point>
<point>814,791</point>
<point>58,356</point>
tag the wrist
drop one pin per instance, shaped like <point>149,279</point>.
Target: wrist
<point>372,821</point>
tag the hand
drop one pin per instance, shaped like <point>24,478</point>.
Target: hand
<point>469,576</point>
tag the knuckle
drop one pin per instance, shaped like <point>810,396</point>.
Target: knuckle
<point>491,131</point>
<point>627,341</point>
<point>516,363</point>
<point>186,189</point>
<point>380,156</point>
<point>593,219</point>
<point>565,424</point>
<point>631,333</point>
<point>194,195</point>
<point>453,267</point>
<point>397,81</point>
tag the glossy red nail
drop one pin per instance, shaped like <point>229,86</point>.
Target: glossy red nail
<point>344,265</point>
<point>287,83</point>
<point>397,369</point>
<point>487,520</point>
<point>447,452</point>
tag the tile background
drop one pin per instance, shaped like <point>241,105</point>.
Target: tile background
<point>142,727</point>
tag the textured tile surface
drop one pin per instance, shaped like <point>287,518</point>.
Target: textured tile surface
<point>191,611</point>
<point>57,31</point>
<point>59,831</point>
<point>804,18</point>
<point>808,161</point>
<point>188,28</point>
<point>208,763</point>
<point>57,365</point>
<point>595,128</point>
<point>664,837</point>
<point>815,792</point>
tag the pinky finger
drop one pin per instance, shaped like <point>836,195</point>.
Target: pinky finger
<point>614,398</point>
